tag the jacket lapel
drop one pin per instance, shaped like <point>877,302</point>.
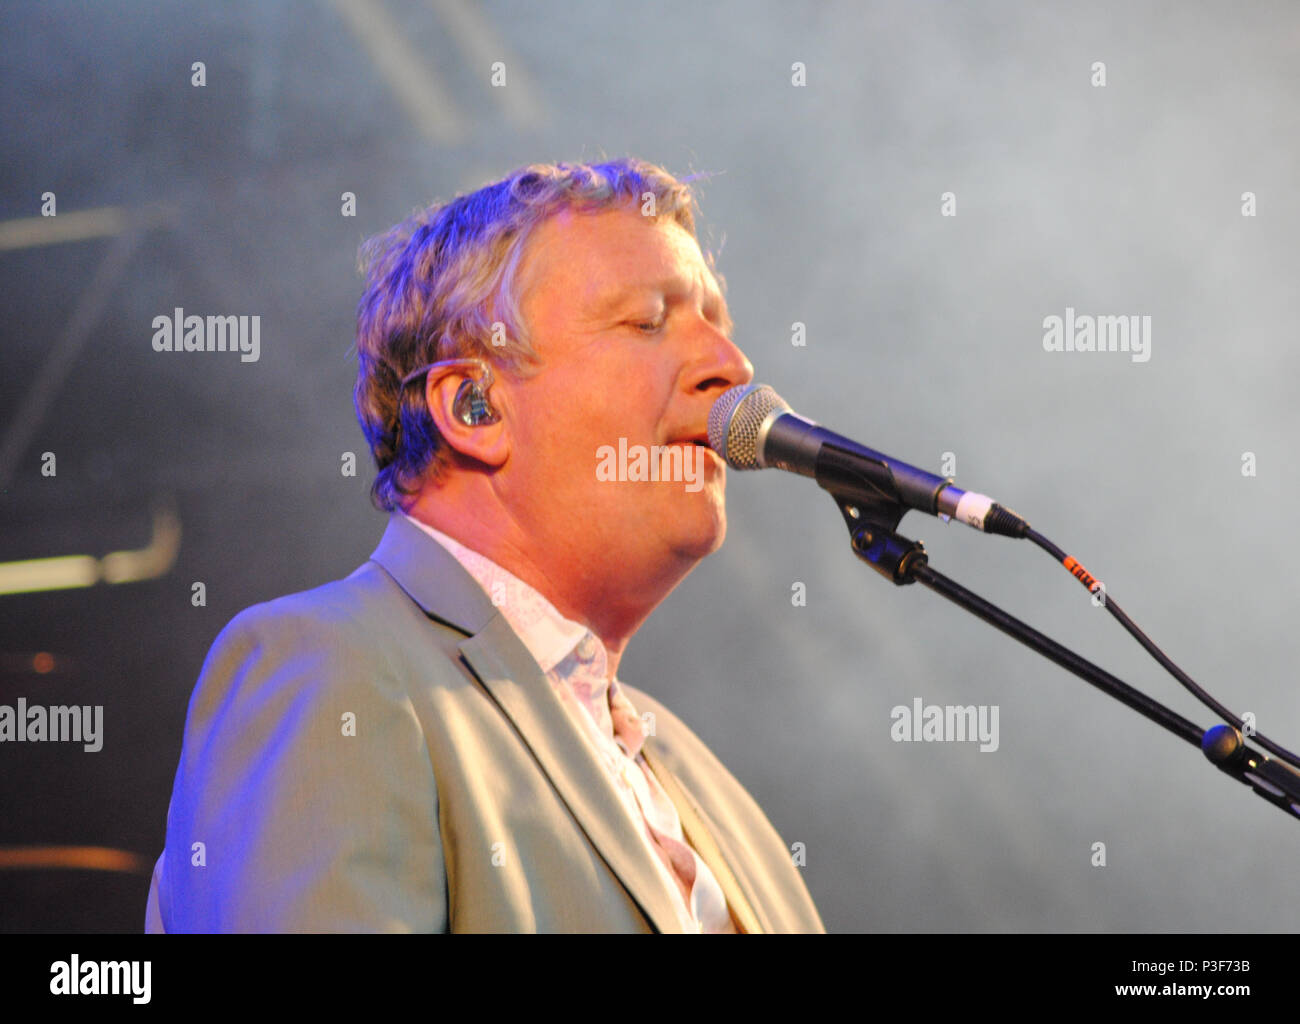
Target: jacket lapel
<point>435,580</point>
<point>700,832</point>
<point>524,693</point>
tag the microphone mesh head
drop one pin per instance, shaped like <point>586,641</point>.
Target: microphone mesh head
<point>734,421</point>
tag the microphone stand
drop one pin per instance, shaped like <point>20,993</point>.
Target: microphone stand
<point>872,522</point>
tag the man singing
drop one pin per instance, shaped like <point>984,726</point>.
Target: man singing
<point>440,741</point>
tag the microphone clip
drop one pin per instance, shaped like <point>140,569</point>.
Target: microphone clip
<point>872,525</point>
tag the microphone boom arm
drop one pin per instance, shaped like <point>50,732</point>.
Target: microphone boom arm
<point>872,521</point>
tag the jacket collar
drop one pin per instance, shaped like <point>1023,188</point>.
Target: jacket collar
<point>433,578</point>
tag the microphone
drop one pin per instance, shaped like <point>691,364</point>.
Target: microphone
<point>752,427</point>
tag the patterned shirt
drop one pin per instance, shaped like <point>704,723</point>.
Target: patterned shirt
<point>577,664</point>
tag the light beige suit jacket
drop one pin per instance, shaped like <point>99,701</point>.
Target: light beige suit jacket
<point>382,753</point>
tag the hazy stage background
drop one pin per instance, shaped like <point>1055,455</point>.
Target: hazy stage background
<point>924,336</point>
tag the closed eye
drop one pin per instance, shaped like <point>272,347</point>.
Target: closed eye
<point>649,326</point>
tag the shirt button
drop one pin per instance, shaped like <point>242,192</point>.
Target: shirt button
<point>586,649</point>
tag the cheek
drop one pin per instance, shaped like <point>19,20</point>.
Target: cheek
<point>548,428</point>
<point>562,426</point>
<point>629,383</point>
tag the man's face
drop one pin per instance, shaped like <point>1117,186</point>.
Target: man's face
<point>632,333</point>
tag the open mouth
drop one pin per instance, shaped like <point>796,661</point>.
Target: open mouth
<point>701,441</point>
<point>701,444</point>
<point>708,448</point>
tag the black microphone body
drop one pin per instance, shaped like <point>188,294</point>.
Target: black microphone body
<point>751,427</point>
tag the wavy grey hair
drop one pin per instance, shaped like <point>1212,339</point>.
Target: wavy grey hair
<point>440,283</point>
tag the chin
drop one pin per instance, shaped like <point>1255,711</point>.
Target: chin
<point>706,532</point>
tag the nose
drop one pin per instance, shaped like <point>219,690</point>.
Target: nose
<point>720,364</point>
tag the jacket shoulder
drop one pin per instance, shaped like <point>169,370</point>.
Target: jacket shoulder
<point>305,775</point>
<point>354,601</point>
<point>363,617</point>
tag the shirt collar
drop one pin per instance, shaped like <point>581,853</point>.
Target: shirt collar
<point>549,636</point>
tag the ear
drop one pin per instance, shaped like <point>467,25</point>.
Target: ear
<point>488,443</point>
